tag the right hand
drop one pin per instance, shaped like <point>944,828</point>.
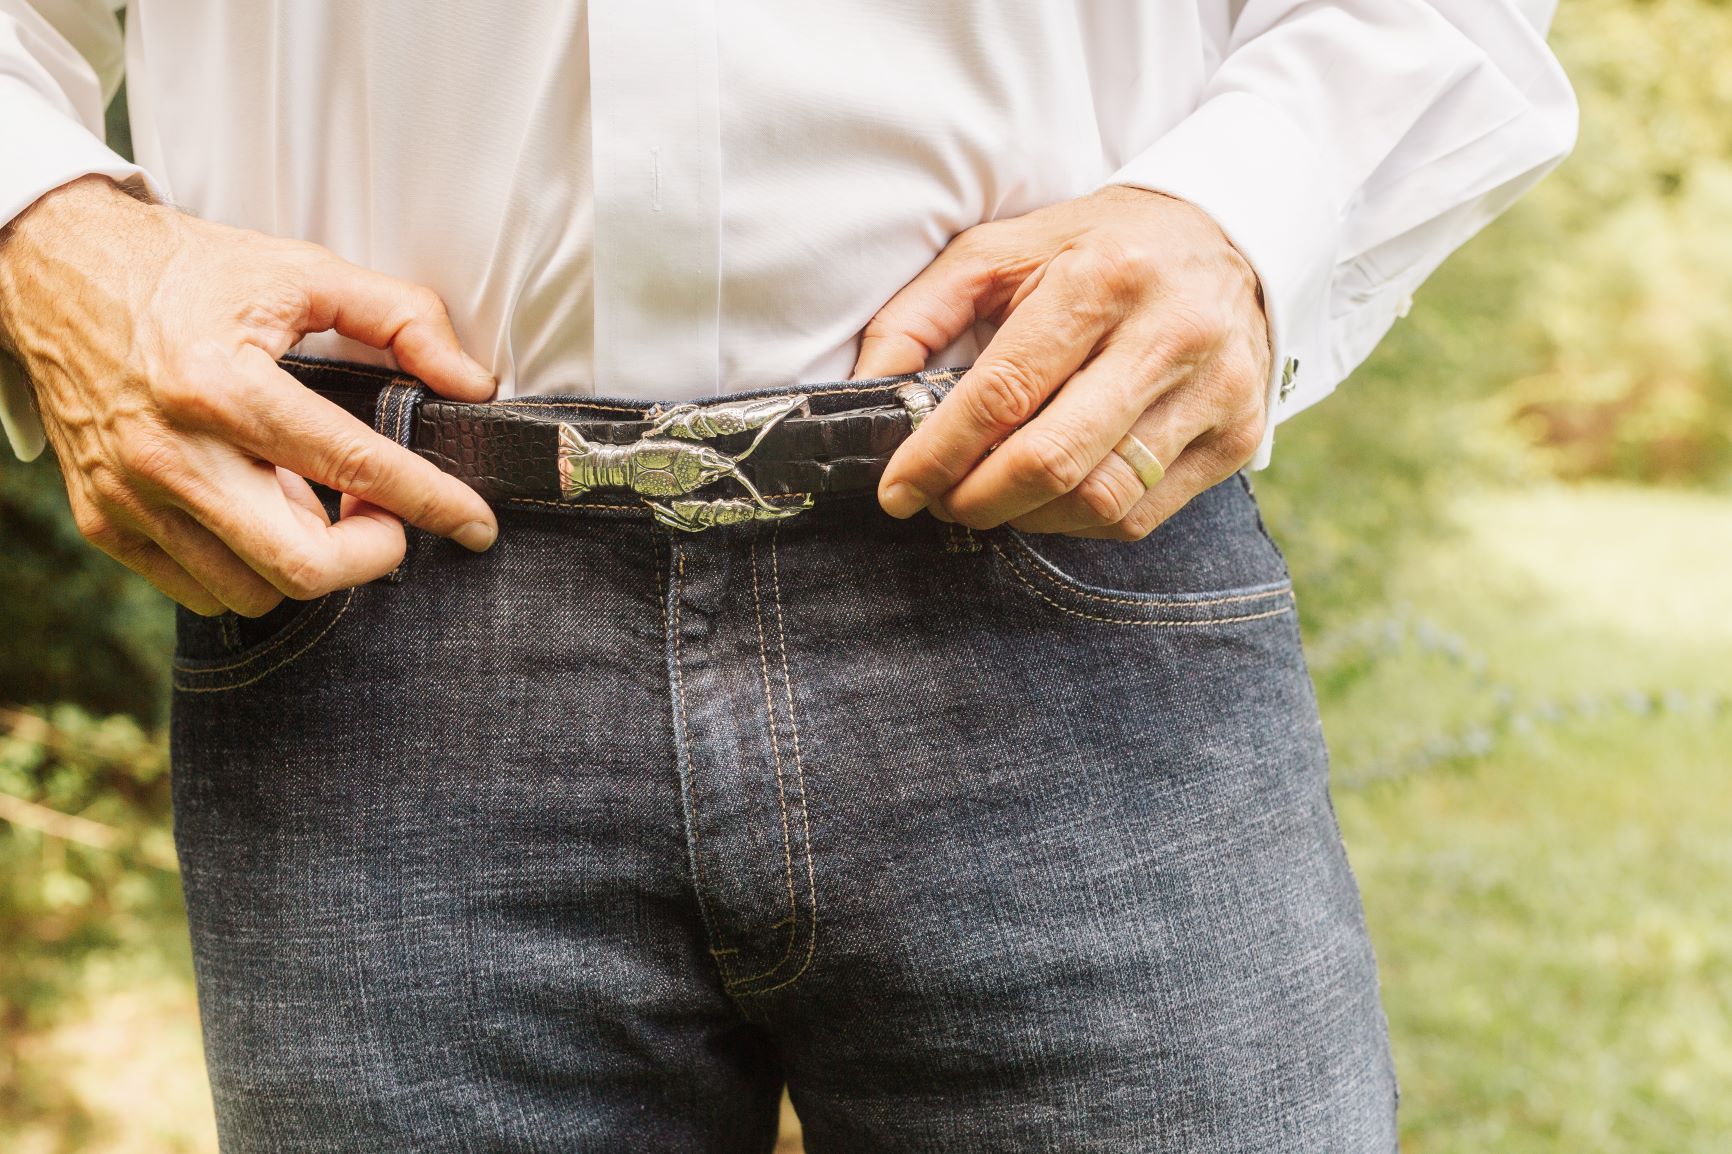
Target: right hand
<point>152,338</point>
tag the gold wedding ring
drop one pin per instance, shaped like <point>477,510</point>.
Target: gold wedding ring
<point>1143,463</point>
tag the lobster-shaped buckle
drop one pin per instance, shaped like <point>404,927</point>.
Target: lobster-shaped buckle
<point>670,460</point>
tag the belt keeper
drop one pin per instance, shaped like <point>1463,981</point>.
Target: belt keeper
<point>920,396</point>
<point>394,417</point>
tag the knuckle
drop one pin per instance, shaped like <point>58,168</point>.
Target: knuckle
<point>440,505</point>
<point>108,485</point>
<point>1106,501</point>
<point>258,603</point>
<point>193,397</point>
<point>1049,462</point>
<point>1245,372</point>
<point>94,526</point>
<point>427,304</point>
<point>932,472</point>
<point>302,575</point>
<point>353,467</point>
<point>1193,330</point>
<point>1004,396</point>
<point>878,328</point>
<point>1118,268</point>
<point>974,519</point>
<point>975,240</point>
<point>1239,441</point>
<point>149,456</point>
<point>1137,524</point>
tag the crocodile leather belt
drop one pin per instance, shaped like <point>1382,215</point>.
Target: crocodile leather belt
<point>744,457</point>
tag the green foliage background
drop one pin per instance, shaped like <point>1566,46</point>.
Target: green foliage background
<point>1510,531</point>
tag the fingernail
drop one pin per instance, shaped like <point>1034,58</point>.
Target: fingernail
<point>480,373</point>
<point>904,500</point>
<point>477,535</point>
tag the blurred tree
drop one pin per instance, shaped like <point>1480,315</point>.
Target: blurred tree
<point>1632,295</point>
<point>78,626</point>
<point>86,872</point>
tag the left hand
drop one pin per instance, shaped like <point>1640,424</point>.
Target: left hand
<point>1124,310</point>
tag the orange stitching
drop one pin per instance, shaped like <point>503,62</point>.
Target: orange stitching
<point>1165,622</point>
<point>405,418</point>
<point>800,769</point>
<point>688,787</point>
<point>1041,567</point>
<point>781,795</point>
<point>264,673</point>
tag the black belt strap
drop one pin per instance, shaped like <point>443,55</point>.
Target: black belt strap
<point>739,457</point>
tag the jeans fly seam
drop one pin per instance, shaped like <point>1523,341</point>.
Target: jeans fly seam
<point>688,781</point>
<point>1162,622</point>
<point>781,794</point>
<point>799,771</point>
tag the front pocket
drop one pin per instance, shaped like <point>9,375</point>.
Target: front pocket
<point>211,655</point>
<point>1036,576</point>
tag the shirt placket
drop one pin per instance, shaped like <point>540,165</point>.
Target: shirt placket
<point>657,172</point>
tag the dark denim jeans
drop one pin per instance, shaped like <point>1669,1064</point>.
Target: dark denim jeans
<point>978,842</point>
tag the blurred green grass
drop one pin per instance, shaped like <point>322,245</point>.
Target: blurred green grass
<point>1512,539</point>
<point>1554,921</point>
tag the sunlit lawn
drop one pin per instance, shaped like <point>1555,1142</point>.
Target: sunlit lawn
<point>1553,916</point>
<point>1555,922</point>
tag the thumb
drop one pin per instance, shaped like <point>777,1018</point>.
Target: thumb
<point>929,314</point>
<point>409,319</point>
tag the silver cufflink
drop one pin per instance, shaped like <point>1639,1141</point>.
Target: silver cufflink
<point>1289,371</point>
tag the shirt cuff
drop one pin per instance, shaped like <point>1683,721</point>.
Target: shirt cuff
<point>44,148</point>
<point>17,413</point>
<point>1258,174</point>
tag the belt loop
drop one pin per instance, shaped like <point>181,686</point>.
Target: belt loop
<point>941,381</point>
<point>394,417</point>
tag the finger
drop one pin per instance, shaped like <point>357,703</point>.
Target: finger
<point>302,497</point>
<point>958,288</point>
<point>1205,463</point>
<point>409,319</point>
<point>1053,454</point>
<point>215,566</point>
<point>300,556</point>
<point>144,557</point>
<point>1111,488</point>
<point>290,425</point>
<point>1042,342</point>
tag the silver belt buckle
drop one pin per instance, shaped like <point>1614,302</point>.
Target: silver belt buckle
<point>670,460</point>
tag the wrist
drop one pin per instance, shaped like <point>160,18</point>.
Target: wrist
<point>59,235</point>
<point>66,211</point>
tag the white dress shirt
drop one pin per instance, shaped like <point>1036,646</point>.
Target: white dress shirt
<point>672,199</point>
